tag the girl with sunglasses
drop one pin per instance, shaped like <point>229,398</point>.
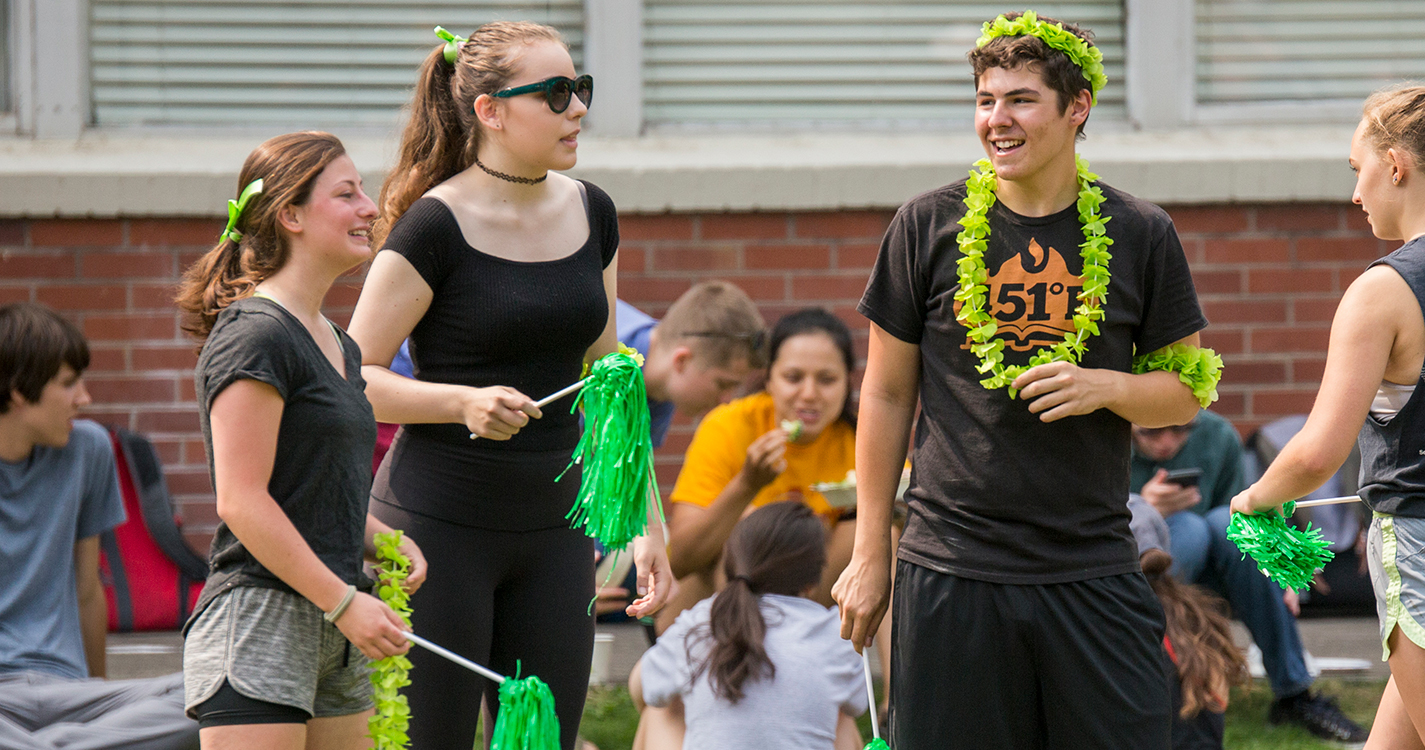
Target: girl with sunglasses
<point>502,274</point>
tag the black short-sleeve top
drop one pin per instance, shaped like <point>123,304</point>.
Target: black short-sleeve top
<point>494,321</point>
<point>321,475</point>
<point>996,494</point>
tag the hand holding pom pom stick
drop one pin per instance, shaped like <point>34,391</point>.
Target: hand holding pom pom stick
<point>526,719</point>
<point>1285,554</point>
<point>876,742</point>
<point>555,396</point>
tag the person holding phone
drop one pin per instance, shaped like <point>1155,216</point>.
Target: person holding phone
<point>1189,474</point>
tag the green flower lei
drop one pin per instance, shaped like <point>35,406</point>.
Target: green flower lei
<point>1199,368</point>
<point>974,278</point>
<point>1088,57</point>
<point>387,727</point>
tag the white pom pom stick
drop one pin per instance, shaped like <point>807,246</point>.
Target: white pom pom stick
<point>457,658</point>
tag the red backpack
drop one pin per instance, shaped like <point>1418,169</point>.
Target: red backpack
<point>151,576</point>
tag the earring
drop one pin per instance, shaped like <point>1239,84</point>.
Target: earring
<point>1395,180</point>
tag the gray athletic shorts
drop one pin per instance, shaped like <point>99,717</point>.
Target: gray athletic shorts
<point>274,646</point>
<point>1393,552</point>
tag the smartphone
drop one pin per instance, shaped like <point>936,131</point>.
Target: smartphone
<point>1184,477</point>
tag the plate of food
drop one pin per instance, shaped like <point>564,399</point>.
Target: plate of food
<point>842,494</point>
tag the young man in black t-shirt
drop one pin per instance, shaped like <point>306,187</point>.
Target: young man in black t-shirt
<point>1022,619</point>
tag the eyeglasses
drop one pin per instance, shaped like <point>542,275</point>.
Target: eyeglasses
<point>557,91</point>
<point>755,339</point>
<point>1152,432</point>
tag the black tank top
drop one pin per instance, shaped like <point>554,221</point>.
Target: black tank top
<point>494,321</point>
<point>1393,453</point>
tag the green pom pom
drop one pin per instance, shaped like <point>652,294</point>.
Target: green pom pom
<point>526,720</point>
<point>877,744</point>
<point>616,452</point>
<point>1287,555</point>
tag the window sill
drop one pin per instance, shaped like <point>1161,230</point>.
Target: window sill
<point>152,174</point>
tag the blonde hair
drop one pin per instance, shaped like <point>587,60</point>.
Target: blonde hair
<point>719,322</point>
<point>288,166</point>
<point>443,135</point>
<point>1395,118</point>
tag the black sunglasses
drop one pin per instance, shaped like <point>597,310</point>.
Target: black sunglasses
<point>755,339</point>
<point>557,91</point>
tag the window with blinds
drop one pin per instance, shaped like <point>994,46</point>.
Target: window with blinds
<point>305,63</point>
<point>1267,51</point>
<point>834,63</point>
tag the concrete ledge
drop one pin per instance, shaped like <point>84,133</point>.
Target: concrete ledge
<point>110,174</point>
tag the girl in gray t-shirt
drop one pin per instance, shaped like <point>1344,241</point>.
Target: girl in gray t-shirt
<point>759,664</point>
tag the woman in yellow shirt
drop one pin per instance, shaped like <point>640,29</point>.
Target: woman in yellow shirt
<point>768,447</point>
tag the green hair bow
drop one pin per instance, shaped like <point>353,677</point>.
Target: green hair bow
<point>235,209</point>
<point>452,43</point>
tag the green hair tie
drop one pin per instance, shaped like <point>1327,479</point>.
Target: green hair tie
<point>616,452</point>
<point>1284,553</point>
<point>1088,57</point>
<point>235,209</point>
<point>1199,368</point>
<point>452,43</point>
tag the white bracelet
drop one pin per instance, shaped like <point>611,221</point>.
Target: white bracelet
<point>340,609</point>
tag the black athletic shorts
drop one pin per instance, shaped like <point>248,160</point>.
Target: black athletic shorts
<point>1027,667</point>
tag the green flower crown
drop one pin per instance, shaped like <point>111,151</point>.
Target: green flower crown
<point>1088,57</point>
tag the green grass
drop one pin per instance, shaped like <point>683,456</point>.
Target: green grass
<point>1247,727</point>
<point>610,720</point>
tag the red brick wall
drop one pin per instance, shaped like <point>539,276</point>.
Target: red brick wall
<point>1269,277</point>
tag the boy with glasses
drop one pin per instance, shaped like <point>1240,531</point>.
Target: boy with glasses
<point>1197,513</point>
<point>699,354</point>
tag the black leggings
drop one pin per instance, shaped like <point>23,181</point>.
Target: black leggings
<point>496,597</point>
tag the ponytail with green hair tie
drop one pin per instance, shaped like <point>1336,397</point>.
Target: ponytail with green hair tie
<point>452,44</point>
<point>235,209</point>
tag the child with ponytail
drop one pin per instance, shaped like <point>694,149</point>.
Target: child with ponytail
<point>760,664</point>
<point>268,653</point>
<point>503,274</point>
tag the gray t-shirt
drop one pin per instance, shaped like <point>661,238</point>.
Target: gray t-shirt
<point>48,502</point>
<point>321,477</point>
<point>818,675</point>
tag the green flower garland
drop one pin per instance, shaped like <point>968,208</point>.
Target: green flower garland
<point>974,278</point>
<point>1198,368</point>
<point>387,727</point>
<point>1286,554</point>
<point>1088,57</point>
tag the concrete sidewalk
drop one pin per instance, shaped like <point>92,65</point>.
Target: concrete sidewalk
<point>149,654</point>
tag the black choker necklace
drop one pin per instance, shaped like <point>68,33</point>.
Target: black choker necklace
<point>510,177</point>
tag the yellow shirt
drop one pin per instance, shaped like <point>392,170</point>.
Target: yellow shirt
<point>719,449</point>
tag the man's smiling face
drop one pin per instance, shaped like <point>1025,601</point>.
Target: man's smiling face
<point>1020,123</point>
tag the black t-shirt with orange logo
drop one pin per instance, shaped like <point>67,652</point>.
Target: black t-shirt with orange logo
<point>996,495</point>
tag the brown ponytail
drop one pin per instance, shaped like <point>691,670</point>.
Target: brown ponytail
<point>288,166</point>
<point>442,134</point>
<point>1208,661</point>
<point>778,549</point>
<point>1395,118</point>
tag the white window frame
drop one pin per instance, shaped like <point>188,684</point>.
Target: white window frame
<point>49,80</point>
<point>1161,37</point>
